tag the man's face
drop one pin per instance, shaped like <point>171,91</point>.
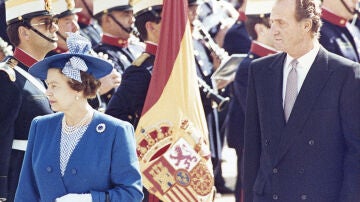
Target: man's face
<point>352,5</point>
<point>287,31</point>
<point>126,19</point>
<point>67,24</point>
<point>46,26</point>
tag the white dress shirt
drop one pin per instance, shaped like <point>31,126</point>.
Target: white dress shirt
<point>303,67</point>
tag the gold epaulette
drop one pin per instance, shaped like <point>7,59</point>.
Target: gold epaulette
<point>8,67</point>
<point>141,59</point>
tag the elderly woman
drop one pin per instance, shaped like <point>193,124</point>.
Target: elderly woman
<point>78,154</point>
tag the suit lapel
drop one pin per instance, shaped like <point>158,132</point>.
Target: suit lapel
<point>310,90</point>
<point>273,98</point>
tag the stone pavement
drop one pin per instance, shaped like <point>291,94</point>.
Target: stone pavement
<point>229,174</point>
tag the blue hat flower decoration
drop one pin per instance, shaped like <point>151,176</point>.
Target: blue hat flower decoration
<point>77,59</point>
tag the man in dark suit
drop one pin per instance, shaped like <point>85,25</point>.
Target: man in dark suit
<point>302,131</point>
<point>31,29</point>
<point>258,27</point>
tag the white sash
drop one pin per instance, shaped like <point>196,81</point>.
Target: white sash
<point>32,79</point>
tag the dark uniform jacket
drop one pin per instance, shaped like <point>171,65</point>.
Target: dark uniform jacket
<point>121,52</point>
<point>336,37</point>
<point>21,101</point>
<point>315,155</point>
<point>128,101</point>
<point>90,29</point>
<point>237,39</point>
<point>235,135</point>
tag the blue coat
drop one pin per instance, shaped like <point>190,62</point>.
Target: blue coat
<point>315,155</point>
<point>101,162</point>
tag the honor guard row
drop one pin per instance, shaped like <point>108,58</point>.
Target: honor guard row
<point>31,28</point>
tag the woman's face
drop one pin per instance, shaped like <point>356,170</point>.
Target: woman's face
<point>61,96</point>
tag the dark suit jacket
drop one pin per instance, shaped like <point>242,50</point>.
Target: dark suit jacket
<point>315,155</point>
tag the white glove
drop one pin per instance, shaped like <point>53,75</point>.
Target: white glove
<point>75,197</point>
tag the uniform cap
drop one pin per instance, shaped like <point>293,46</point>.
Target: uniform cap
<point>104,6</point>
<point>64,8</point>
<point>143,6</point>
<point>17,10</point>
<point>259,7</point>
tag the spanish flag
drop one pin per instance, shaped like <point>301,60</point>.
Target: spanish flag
<point>172,137</point>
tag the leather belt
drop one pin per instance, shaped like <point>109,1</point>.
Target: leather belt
<point>19,145</point>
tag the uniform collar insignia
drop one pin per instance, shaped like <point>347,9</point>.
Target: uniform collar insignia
<point>333,18</point>
<point>24,58</point>
<point>114,41</point>
<point>151,48</point>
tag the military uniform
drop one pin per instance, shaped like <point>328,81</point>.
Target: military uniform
<point>236,114</point>
<point>339,36</point>
<point>237,39</point>
<point>89,29</point>
<point>21,101</point>
<point>128,101</point>
<point>121,52</point>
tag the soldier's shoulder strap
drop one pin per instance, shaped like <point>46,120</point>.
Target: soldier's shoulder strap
<point>141,59</point>
<point>8,67</point>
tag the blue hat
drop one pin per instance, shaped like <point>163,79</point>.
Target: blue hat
<point>72,63</point>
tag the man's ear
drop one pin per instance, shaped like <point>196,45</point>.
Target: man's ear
<point>259,29</point>
<point>150,26</point>
<point>307,25</point>
<point>24,33</point>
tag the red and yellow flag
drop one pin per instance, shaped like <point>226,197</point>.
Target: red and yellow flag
<point>172,136</point>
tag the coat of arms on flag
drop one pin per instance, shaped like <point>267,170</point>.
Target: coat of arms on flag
<point>172,137</point>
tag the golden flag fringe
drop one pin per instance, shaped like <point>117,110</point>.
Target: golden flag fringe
<point>172,136</point>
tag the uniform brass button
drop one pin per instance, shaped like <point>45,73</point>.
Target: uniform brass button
<point>275,170</point>
<point>48,169</point>
<point>311,142</point>
<point>303,197</point>
<point>130,117</point>
<point>275,197</point>
<point>73,171</point>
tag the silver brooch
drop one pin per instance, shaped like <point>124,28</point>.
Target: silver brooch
<point>100,128</point>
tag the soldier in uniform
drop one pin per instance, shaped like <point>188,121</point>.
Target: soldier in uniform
<point>66,13</point>
<point>338,35</point>
<point>88,26</point>
<point>31,29</point>
<point>128,101</point>
<point>207,61</point>
<point>237,39</point>
<point>258,27</point>
<point>116,20</point>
